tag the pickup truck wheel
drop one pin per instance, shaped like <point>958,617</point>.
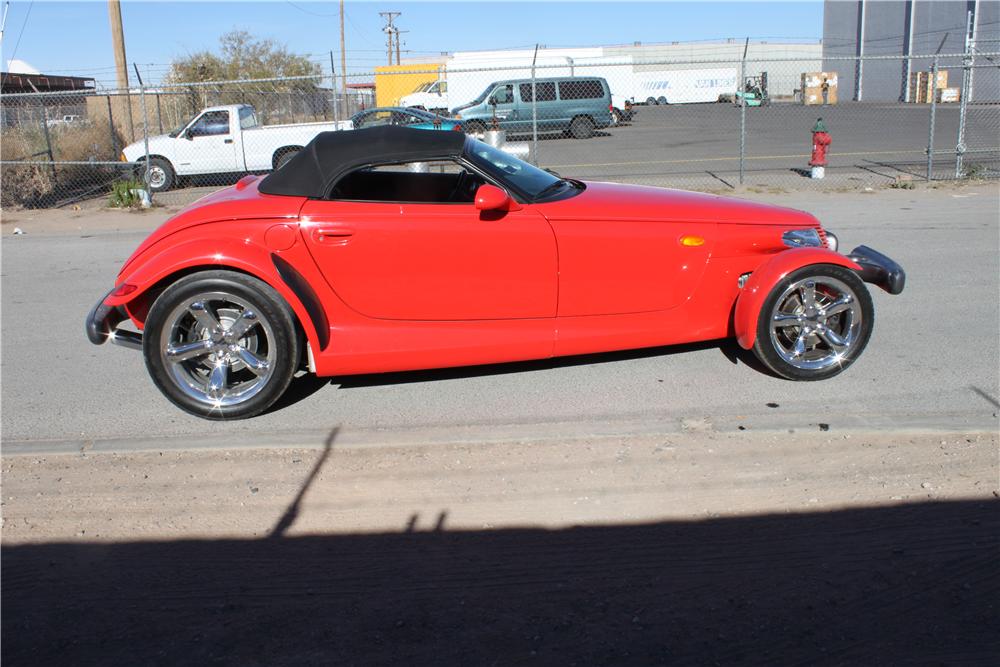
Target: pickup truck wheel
<point>661,100</point>
<point>651,101</point>
<point>221,345</point>
<point>474,127</point>
<point>161,175</point>
<point>814,323</point>
<point>582,127</point>
<point>284,156</point>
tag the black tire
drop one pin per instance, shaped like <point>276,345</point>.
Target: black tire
<point>216,324</point>
<point>582,127</point>
<point>617,117</point>
<point>473,127</point>
<point>800,341</point>
<point>651,101</point>
<point>661,100</point>
<point>161,175</point>
<point>284,155</point>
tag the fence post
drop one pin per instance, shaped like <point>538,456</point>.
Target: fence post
<point>48,143</point>
<point>159,113</point>
<point>145,129</point>
<point>111,127</point>
<point>964,101</point>
<point>743,111</point>
<point>534,110</point>
<point>930,133</point>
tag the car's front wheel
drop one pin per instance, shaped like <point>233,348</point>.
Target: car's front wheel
<point>160,176</point>
<point>221,344</point>
<point>814,323</point>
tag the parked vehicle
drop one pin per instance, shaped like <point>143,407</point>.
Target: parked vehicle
<point>567,104</point>
<point>347,261</point>
<point>68,119</point>
<point>405,117</point>
<point>220,140</point>
<point>685,86</point>
<point>431,96</point>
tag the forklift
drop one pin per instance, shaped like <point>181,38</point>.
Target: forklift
<point>754,93</point>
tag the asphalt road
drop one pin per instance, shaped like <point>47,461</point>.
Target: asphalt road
<point>932,361</point>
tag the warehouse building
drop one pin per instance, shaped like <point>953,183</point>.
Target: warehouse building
<point>901,28</point>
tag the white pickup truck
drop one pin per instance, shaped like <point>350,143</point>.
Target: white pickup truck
<point>222,140</point>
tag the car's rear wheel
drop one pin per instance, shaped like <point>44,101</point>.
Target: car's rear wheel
<point>651,101</point>
<point>582,127</point>
<point>221,345</point>
<point>814,323</point>
<point>661,100</point>
<point>617,117</point>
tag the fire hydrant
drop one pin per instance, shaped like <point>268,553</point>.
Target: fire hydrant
<point>821,139</point>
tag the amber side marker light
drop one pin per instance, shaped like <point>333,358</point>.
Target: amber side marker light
<point>692,241</point>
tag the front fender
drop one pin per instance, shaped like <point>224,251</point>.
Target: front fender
<point>224,253</point>
<point>766,276</point>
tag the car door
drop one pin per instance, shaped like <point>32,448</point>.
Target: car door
<point>506,107</point>
<point>208,145</point>
<point>423,257</point>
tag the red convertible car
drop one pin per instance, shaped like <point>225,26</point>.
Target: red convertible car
<point>390,249</point>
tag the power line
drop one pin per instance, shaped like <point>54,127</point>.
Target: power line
<point>308,11</point>
<point>21,34</point>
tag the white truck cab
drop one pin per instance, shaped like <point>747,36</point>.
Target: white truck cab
<point>431,96</point>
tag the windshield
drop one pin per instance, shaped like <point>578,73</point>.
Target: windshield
<point>482,96</point>
<point>530,180</point>
<point>174,132</point>
<point>422,88</point>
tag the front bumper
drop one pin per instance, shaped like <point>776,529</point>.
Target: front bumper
<point>878,269</point>
<point>102,325</point>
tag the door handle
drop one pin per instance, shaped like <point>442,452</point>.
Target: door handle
<point>228,141</point>
<point>332,235</point>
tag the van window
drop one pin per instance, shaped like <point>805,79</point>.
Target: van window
<point>589,89</point>
<point>503,94</point>
<point>546,91</point>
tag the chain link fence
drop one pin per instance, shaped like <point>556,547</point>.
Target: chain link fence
<point>714,125</point>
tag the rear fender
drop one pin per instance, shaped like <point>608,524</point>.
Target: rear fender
<point>766,276</point>
<point>221,253</point>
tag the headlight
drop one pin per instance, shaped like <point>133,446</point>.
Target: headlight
<point>801,238</point>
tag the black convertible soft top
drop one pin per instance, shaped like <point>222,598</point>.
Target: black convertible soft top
<point>317,167</point>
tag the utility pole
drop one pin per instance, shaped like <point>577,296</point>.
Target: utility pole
<point>118,42</point>
<point>121,64</point>
<point>343,56</point>
<point>390,30</point>
<point>398,33</point>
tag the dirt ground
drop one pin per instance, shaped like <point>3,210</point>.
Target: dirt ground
<point>699,547</point>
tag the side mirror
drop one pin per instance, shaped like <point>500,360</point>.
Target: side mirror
<point>493,100</point>
<point>491,198</point>
<point>188,134</point>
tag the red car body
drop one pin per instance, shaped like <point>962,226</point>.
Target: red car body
<point>390,286</point>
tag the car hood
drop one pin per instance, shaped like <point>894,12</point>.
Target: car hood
<point>237,202</point>
<point>615,201</point>
<point>157,144</point>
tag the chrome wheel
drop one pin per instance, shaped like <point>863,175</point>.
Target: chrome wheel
<point>157,176</point>
<point>218,348</point>
<point>817,323</point>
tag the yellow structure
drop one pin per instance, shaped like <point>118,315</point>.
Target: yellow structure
<point>394,81</point>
